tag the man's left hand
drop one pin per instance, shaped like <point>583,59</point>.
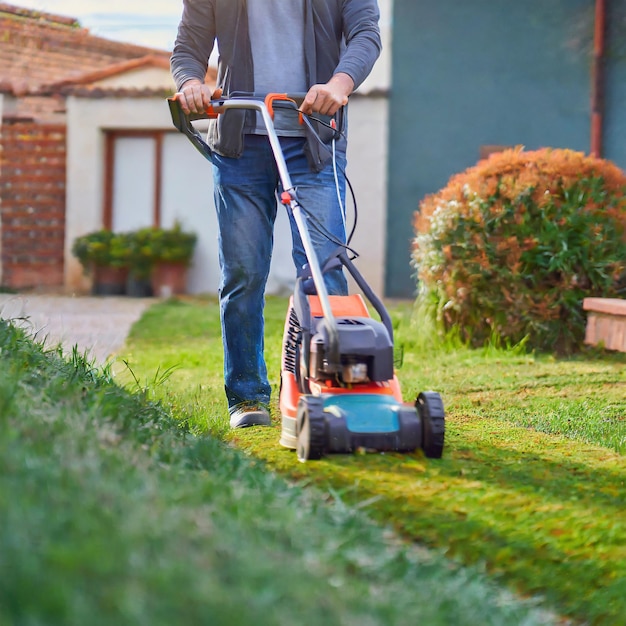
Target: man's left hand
<point>328,98</point>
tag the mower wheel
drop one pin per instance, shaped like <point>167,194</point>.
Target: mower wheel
<point>302,372</point>
<point>310,429</point>
<point>429,405</point>
<point>410,429</point>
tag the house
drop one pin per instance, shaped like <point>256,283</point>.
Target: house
<point>468,78</point>
<point>40,55</point>
<point>88,142</point>
<point>472,77</point>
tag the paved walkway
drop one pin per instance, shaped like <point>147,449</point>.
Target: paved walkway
<point>98,326</point>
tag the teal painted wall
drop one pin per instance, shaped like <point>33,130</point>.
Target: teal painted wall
<point>615,85</point>
<point>468,73</point>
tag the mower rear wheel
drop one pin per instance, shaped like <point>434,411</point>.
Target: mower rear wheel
<point>310,429</point>
<point>429,405</point>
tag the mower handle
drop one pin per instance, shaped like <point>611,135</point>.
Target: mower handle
<point>182,122</point>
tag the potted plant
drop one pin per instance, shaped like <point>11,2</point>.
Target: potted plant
<point>141,261</point>
<point>172,251</point>
<point>104,255</point>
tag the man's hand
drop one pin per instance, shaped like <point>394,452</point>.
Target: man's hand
<point>195,96</point>
<point>329,98</point>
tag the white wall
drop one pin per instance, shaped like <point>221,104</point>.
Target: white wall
<point>188,191</point>
<point>187,197</point>
<point>140,78</point>
<point>380,77</point>
<point>86,121</point>
<point>367,171</point>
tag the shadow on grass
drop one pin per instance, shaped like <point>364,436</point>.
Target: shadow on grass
<point>542,512</point>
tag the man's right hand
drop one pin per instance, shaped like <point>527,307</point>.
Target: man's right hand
<point>195,97</point>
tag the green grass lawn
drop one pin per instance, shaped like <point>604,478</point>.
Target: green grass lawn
<point>113,513</point>
<point>532,486</point>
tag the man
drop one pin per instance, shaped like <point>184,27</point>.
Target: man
<point>321,48</point>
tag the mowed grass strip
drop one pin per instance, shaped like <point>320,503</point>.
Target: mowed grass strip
<point>112,513</point>
<point>532,485</point>
<point>532,513</point>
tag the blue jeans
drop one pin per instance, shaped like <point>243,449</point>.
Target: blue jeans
<point>245,199</point>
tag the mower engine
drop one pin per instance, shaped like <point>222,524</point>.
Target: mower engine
<point>365,352</point>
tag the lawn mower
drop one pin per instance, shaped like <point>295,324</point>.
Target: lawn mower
<point>338,389</point>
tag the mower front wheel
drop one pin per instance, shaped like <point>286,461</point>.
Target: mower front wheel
<point>429,406</point>
<point>310,429</point>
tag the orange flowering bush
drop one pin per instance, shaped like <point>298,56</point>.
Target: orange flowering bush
<point>511,246</point>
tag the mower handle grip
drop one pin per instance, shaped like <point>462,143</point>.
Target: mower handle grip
<point>182,121</point>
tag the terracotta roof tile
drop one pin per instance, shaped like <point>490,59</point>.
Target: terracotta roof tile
<point>36,15</point>
<point>96,92</point>
<point>113,70</point>
<point>83,87</point>
<point>39,49</point>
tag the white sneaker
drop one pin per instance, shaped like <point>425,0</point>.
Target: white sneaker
<point>247,414</point>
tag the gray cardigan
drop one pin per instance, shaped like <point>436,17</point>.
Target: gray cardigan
<point>339,36</point>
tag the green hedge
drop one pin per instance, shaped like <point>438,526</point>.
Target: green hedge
<point>511,247</point>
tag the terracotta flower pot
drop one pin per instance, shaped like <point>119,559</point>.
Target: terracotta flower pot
<point>169,279</point>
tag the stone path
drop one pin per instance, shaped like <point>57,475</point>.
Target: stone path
<point>98,326</point>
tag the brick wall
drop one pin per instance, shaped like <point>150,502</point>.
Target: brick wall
<point>32,205</point>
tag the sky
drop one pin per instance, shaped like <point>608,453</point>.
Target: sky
<point>150,23</point>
